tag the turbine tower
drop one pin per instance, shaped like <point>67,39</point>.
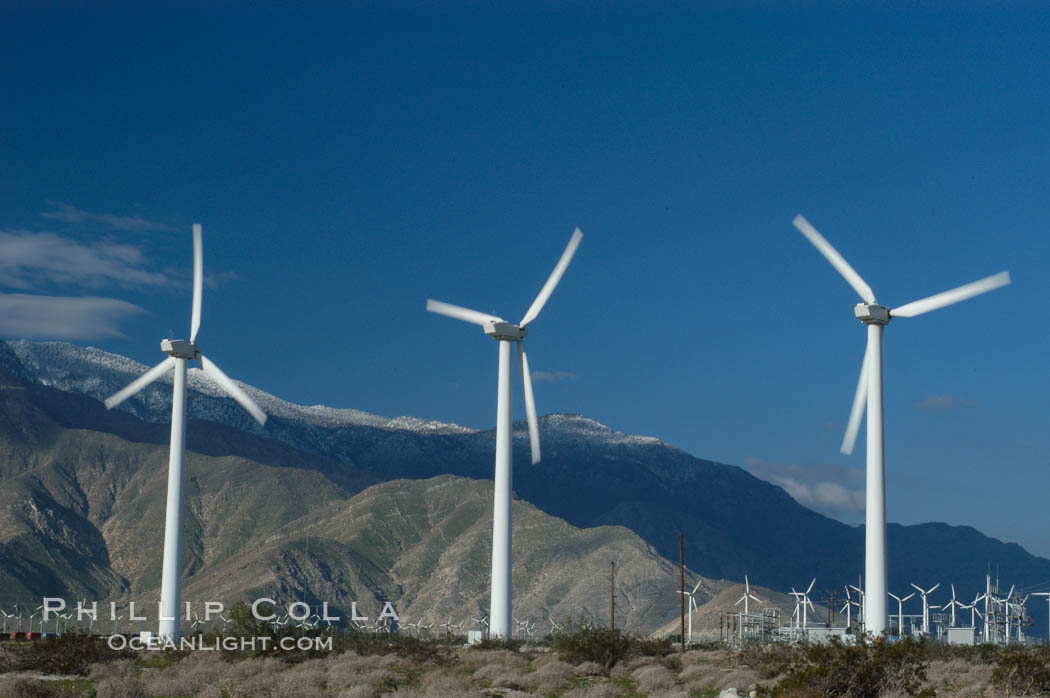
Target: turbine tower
<point>869,388</point>
<point>507,333</point>
<point>179,352</point>
<point>925,606</point>
<point>900,612</point>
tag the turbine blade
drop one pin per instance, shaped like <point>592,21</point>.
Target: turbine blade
<point>553,279</point>
<point>908,596</point>
<point>811,585</point>
<point>140,382</point>
<point>856,412</point>
<point>837,261</point>
<point>198,281</point>
<point>216,374</point>
<point>955,295</point>
<point>460,313</point>
<point>530,403</point>
<point>696,587</point>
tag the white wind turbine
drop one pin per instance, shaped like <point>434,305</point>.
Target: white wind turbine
<point>925,605</point>
<point>747,595</point>
<point>802,600</point>
<point>692,605</point>
<point>506,333</point>
<point>900,611</point>
<point>952,605</point>
<point>179,352</point>
<point>869,389</point>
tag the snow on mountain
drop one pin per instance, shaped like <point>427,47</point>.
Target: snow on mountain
<point>99,374</point>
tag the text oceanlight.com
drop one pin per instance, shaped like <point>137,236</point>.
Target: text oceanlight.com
<point>215,644</point>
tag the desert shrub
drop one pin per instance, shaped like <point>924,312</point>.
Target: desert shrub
<point>596,690</point>
<point>191,676</point>
<point>422,652</point>
<point>68,655</point>
<point>496,643</point>
<point>606,647</point>
<point>126,686</point>
<point>653,679</point>
<point>769,661</point>
<point>864,670</point>
<point>550,677</point>
<point>26,688</point>
<point>1022,672</point>
<point>446,682</point>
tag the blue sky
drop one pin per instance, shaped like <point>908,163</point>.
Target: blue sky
<point>347,163</point>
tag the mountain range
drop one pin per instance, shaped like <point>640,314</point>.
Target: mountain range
<point>84,483</point>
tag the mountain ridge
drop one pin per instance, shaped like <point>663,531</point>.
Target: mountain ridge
<point>590,476</point>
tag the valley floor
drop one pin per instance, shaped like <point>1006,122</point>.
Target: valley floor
<point>501,672</point>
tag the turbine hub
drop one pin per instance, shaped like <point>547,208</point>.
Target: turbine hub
<point>180,349</point>
<point>872,314</point>
<point>504,331</point>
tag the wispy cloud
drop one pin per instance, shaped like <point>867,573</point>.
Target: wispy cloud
<point>942,403</point>
<point>28,259</point>
<point>553,376</point>
<point>55,317</point>
<point>829,489</point>
<point>68,213</point>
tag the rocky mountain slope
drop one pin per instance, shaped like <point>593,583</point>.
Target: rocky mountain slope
<point>590,476</point>
<point>81,515</point>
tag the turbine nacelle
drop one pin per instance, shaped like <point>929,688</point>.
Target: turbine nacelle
<point>502,330</point>
<point>872,314</point>
<point>180,349</point>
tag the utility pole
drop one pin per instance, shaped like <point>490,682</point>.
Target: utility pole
<point>612,596</point>
<point>681,574</point>
<point>831,608</point>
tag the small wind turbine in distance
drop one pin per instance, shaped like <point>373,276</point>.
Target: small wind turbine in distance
<point>505,333</point>
<point>953,604</point>
<point>925,605</point>
<point>179,352</point>
<point>747,595</point>
<point>900,611</point>
<point>801,602</point>
<point>692,605</point>
<point>869,388</point>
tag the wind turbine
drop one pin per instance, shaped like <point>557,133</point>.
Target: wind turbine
<point>692,605</point>
<point>952,604</point>
<point>507,333</point>
<point>179,353</point>
<point>900,611</point>
<point>747,595</point>
<point>925,606</point>
<point>802,599</point>
<point>869,388</point>
<point>858,604</point>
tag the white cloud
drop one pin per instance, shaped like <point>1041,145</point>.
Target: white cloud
<point>71,214</point>
<point>56,317</point>
<point>826,488</point>
<point>553,376</point>
<point>28,259</point>
<point>942,403</point>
